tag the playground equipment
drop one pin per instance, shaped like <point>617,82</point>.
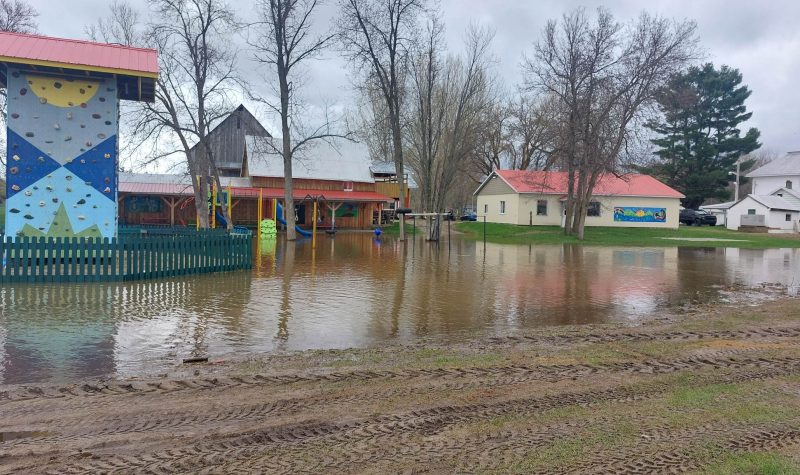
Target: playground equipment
<point>268,228</point>
<point>279,217</point>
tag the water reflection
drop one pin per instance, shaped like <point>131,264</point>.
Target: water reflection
<point>354,290</point>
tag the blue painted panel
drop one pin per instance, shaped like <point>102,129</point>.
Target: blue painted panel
<point>96,168</point>
<point>26,164</point>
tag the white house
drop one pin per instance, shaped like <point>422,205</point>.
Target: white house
<point>538,198</point>
<point>771,211</point>
<point>782,172</point>
<point>775,197</point>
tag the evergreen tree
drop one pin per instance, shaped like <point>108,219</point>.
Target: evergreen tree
<point>700,141</point>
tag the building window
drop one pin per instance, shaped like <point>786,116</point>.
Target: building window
<point>788,217</point>
<point>780,194</point>
<point>348,186</point>
<point>502,207</point>
<point>594,209</point>
<point>788,184</point>
<point>486,209</point>
<point>751,211</point>
<point>541,208</point>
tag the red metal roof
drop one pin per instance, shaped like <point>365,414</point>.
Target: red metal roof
<point>179,189</point>
<point>526,181</point>
<point>77,54</point>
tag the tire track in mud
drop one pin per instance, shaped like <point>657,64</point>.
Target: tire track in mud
<point>637,460</point>
<point>105,426</point>
<point>678,335</point>
<point>256,446</point>
<point>26,393</point>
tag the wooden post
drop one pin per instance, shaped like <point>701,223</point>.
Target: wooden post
<point>260,213</point>
<point>197,217</point>
<point>230,205</point>
<point>213,207</point>
<point>333,209</point>
<point>314,228</point>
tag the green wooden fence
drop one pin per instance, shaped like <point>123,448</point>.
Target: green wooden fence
<point>131,257</point>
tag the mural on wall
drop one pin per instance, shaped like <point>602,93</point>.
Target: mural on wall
<point>62,156</point>
<point>640,215</point>
<point>143,204</point>
<point>347,210</point>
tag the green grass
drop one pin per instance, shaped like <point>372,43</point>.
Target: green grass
<point>611,236</point>
<point>760,463</point>
<point>394,228</point>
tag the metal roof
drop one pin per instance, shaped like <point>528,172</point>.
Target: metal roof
<point>772,202</point>
<point>725,205</point>
<point>180,185</point>
<point>553,182</point>
<point>78,54</point>
<point>347,161</point>
<point>135,69</point>
<point>787,165</point>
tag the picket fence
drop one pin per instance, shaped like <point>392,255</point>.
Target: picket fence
<point>127,257</point>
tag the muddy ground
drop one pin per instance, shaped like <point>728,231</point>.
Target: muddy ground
<point>716,390</point>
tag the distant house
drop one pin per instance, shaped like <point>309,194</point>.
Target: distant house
<point>783,172</point>
<point>538,198</point>
<point>774,199</point>
<point>771,211</point>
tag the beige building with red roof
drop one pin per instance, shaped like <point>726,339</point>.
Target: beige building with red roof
<point>538,198</point>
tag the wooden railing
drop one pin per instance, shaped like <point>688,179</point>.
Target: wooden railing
<point>128,257</point>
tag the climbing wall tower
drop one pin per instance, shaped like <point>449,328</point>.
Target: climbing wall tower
<point>62,132</point>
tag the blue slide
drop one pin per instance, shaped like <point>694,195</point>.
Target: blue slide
<point>299,230</point>
<point>220,220</point>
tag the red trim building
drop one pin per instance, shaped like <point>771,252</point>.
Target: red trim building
<point>340,176</point>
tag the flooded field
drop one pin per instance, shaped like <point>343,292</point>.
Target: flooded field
<point>355,291</point>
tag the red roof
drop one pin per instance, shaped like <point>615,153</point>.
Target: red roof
<point>77,54</point>
<point>527,181</point>
<point>179,189</point>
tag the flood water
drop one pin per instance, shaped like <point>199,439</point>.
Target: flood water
<point>356,291</point>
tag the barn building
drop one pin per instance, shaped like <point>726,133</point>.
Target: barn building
<point>340,176</point>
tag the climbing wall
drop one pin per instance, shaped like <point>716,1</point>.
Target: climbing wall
<point>61,176</point>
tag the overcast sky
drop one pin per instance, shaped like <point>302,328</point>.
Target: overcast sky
<point>761,39</point>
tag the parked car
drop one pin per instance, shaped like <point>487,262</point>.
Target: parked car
<point>697,217</point>
<point>469,217</point>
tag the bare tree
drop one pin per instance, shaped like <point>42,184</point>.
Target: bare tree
<point>18,17</point>
<point>446,127</point>
<point>603,75</point>
<point>494,142</point>
<point>121,26</point>
<point>284,43</point>
<point>530,133</point>
<point>197,76</point>
<point>377,36</point>
<point>372,124</point>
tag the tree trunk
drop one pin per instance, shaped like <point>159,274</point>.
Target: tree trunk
<point>397,143</point>
<point>570,211</point>
<point>200,199</point>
